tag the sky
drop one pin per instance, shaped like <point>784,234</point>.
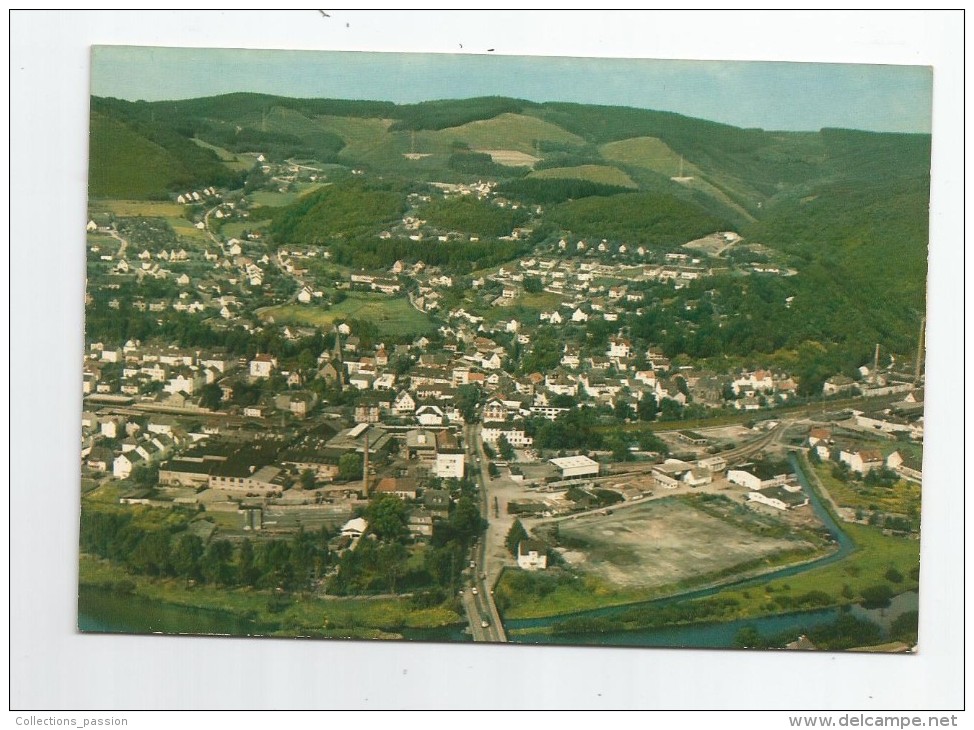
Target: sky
<point>768,95</point>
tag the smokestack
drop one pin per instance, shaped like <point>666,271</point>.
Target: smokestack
<point>919,370</point>
<point>876,361</point>
<point>365,465</point>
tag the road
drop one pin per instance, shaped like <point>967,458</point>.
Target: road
<point>480,607</point>
<point>121,249</point>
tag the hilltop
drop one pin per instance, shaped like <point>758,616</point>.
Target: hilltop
<point>846,208</point>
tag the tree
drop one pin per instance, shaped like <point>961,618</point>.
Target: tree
<point>514,536</point>
<point>748,638</point>
<point>649,441</point>
<point>468,402</point>
<point>877,596</point>
<point>303,554</point>
<point>247,573</point>
<point>533,285</point>
<point>466,519</point>
<point>619,447</point>
<point>307,479</point>
<point>146,475</point>
<point>217,564</point>
<point>504,448</point>
<point>350,466</point>
<point>647,406</point>
<point>274,564</point>
<point>893,575</point>
<point>151,555</point>
<point>622,410</point>
<point>386,515</point>
<point>392,563</point>
<point>670,409</point>
<point>905,627</point>
<point>186,556</point>
<point>211,396</point>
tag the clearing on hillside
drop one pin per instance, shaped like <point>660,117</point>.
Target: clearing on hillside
<point>511,158</point>
<point>505,131</point>
<point>593,173</point>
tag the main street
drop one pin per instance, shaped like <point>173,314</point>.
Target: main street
<point>485,569</point>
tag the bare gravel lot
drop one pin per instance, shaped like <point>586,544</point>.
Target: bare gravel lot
<point>665,541</point>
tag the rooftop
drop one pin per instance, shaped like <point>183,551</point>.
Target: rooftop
<point>573,462</point>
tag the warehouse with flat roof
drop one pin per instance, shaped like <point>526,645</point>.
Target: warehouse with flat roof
<point>574,467</point>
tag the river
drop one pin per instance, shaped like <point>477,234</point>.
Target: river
<point>100,610</point>
<point>103,611</point>
<point>721,635</point>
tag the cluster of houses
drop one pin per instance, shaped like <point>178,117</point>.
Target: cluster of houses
<point>831,447</point>
<point>197,196</point>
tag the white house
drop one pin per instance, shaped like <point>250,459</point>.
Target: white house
<point>125,463</point>
<point>262,366</point>
<point>619,347</point>
<point>863,461</point>
<point>531,555</point>
<point>404,403</point>
<point>355,528</point>
<point>778,497</point>
<point>430,415</point>
<point>494,410</point>
<point>753,481</point>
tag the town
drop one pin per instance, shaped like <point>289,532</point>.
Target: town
<point>473,415</point>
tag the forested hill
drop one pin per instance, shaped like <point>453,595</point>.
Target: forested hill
<point>849,208</point>
<point>736,171</point>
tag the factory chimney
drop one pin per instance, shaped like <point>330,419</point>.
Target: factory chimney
<point>365,466</point>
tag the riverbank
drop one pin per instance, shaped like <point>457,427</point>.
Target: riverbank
<point>250,611</point>
<point>868,563</point>
<point>569,594</point>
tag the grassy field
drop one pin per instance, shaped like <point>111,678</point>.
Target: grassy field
<point>138,208</point>
<point>655,155</point>
<point>392,316</point>
<point>309,613</point>
<point>875,554</point>
<point>595,173</point>
<point>275,200</point>
<point>235,229</point>
<point>902,498</point>
<point>648,152</point>
<point>503,132</point>
<point>185,229</point>
<point>525,309</point>
<point>230,159</point>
